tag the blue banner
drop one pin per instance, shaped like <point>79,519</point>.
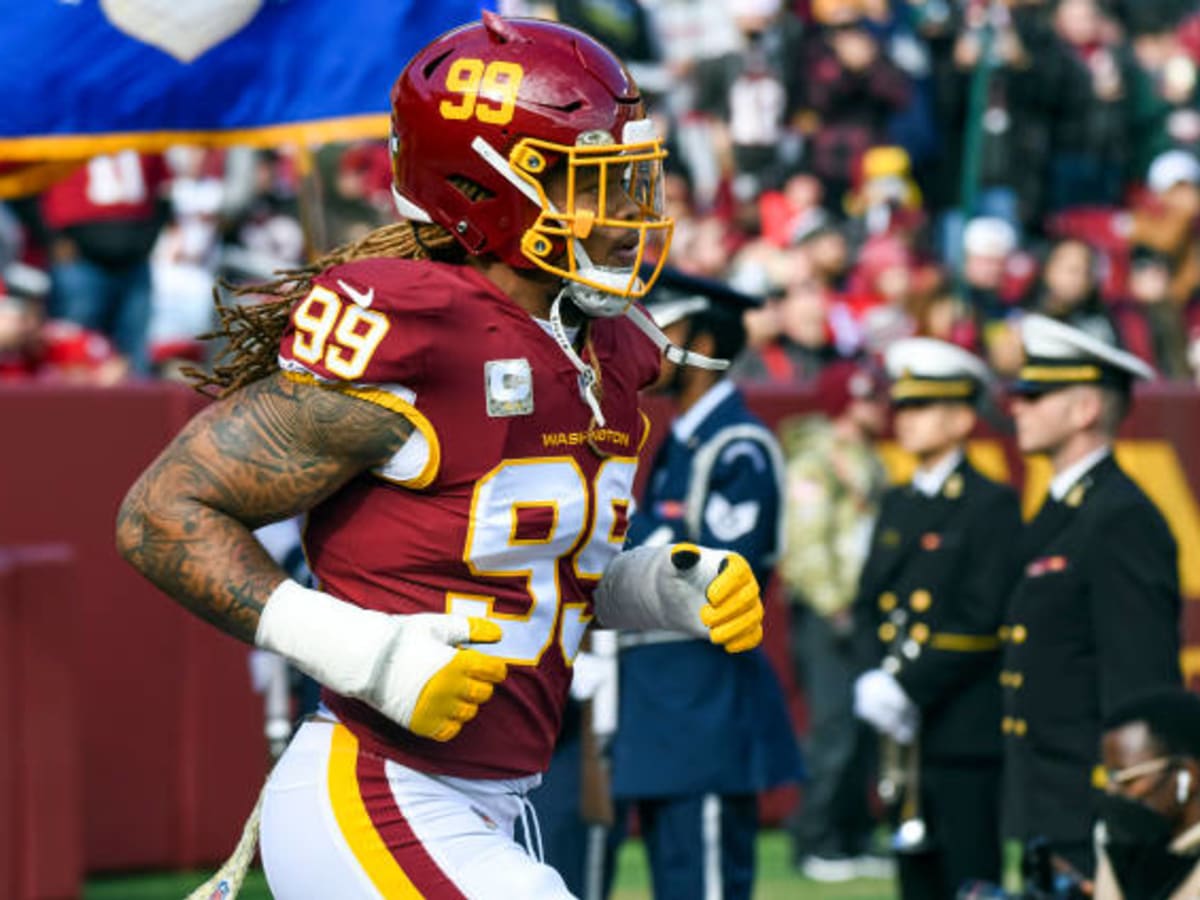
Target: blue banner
<point>80,77</point>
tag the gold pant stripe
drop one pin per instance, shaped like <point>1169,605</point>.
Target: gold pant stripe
<point>355,822</point>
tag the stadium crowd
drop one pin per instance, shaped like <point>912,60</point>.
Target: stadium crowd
<point>875,169</point>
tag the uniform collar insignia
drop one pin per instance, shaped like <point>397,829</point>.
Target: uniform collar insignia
<point>1075,495</point>
<point>954,486</point>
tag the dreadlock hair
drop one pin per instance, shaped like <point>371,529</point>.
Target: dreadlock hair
<point>251,331</point>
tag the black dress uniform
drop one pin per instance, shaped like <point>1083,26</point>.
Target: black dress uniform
<point>931,600</point>
<point>1093,619</point>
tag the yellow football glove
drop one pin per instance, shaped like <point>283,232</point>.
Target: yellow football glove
<point>412,668</point>
<point>733,610</point>
<point>453,695</point>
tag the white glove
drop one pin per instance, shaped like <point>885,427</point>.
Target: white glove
<point>710,594</point>
<point>880,701</point>
<point>591,674</point>
<point>410,668</point>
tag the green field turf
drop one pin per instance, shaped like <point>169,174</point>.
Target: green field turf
<point>776,881</point>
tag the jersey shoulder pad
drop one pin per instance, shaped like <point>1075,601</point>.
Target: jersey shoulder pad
<point>373,321</point>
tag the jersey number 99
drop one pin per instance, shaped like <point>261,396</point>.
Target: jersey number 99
<point>529,517</point>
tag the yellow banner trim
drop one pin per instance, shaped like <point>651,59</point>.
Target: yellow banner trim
<point>83,146</point>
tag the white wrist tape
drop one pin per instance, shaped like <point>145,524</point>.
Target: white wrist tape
<point>384,660</point>
<point>643,589</point>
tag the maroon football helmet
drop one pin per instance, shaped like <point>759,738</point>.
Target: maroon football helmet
<point>486,112</point>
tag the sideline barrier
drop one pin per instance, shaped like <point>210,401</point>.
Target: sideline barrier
<point>170,753</point>
<point>41,825</point>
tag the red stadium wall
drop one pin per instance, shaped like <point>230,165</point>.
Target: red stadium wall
<point>41,809</point>
<point>170,741</point>
<point>170,753</point>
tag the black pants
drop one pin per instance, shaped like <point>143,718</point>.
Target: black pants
<point>961,808</point>
<point>834,819</point>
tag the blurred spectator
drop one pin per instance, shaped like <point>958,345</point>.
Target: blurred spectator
<point>988,244</point>
<point>882,278</point>
<point>1165,94</point>
<point>706,248</point>
<point>1014,128</point>
<point>183,265</point>
<point>12,237</point>
<point>885,199</point>
<point>358,194</point>
<point>1150,324</point>
<point>1088,81</point>
<point>751,94</point>
<point>791,211</point>
<point>104,219</point>
<point>825,242</point>
<point>834,482</point>
<point>850,91</point>
<point>32,347</point>
<point>1068,290</point>
<point>804,344</point>
<point>1169,221</point>
<point>266,236</point>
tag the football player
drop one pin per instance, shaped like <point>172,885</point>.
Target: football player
<point>453,403</point>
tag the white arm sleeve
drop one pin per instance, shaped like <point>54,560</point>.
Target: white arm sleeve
<point>644,589</point>
<point>384,660</point>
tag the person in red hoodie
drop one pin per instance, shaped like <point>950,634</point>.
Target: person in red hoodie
<point>104,220</point>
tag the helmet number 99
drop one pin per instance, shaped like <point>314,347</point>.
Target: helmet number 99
<point>489,93</point>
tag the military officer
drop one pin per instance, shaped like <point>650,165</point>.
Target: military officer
<point>930,601</point>
<point>1094,616</point>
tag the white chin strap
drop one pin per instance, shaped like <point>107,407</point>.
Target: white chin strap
<point>587,375</point>
<point>674,353</point>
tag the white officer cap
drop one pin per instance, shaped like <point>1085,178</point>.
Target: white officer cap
<point>1171,168</point>
<point>926,370</point>
<point>989,236</point>
<point>677,295</point>
<point>1059,355</point>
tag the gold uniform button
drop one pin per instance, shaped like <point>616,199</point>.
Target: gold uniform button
<point>1019,633</point>
<point>1006,724</point>
<point>887,601</point>
<point>1016,679</point>
<point>919,632</point>
<point>1020,726</point>
<point>887,632</point>
<point>920,601</point>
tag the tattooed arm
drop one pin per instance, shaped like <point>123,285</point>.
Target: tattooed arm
<point>269,451</point>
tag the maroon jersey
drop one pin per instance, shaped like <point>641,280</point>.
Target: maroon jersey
<point>498,506</point>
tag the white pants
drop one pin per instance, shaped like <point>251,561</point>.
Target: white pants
<point>341,823</point>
